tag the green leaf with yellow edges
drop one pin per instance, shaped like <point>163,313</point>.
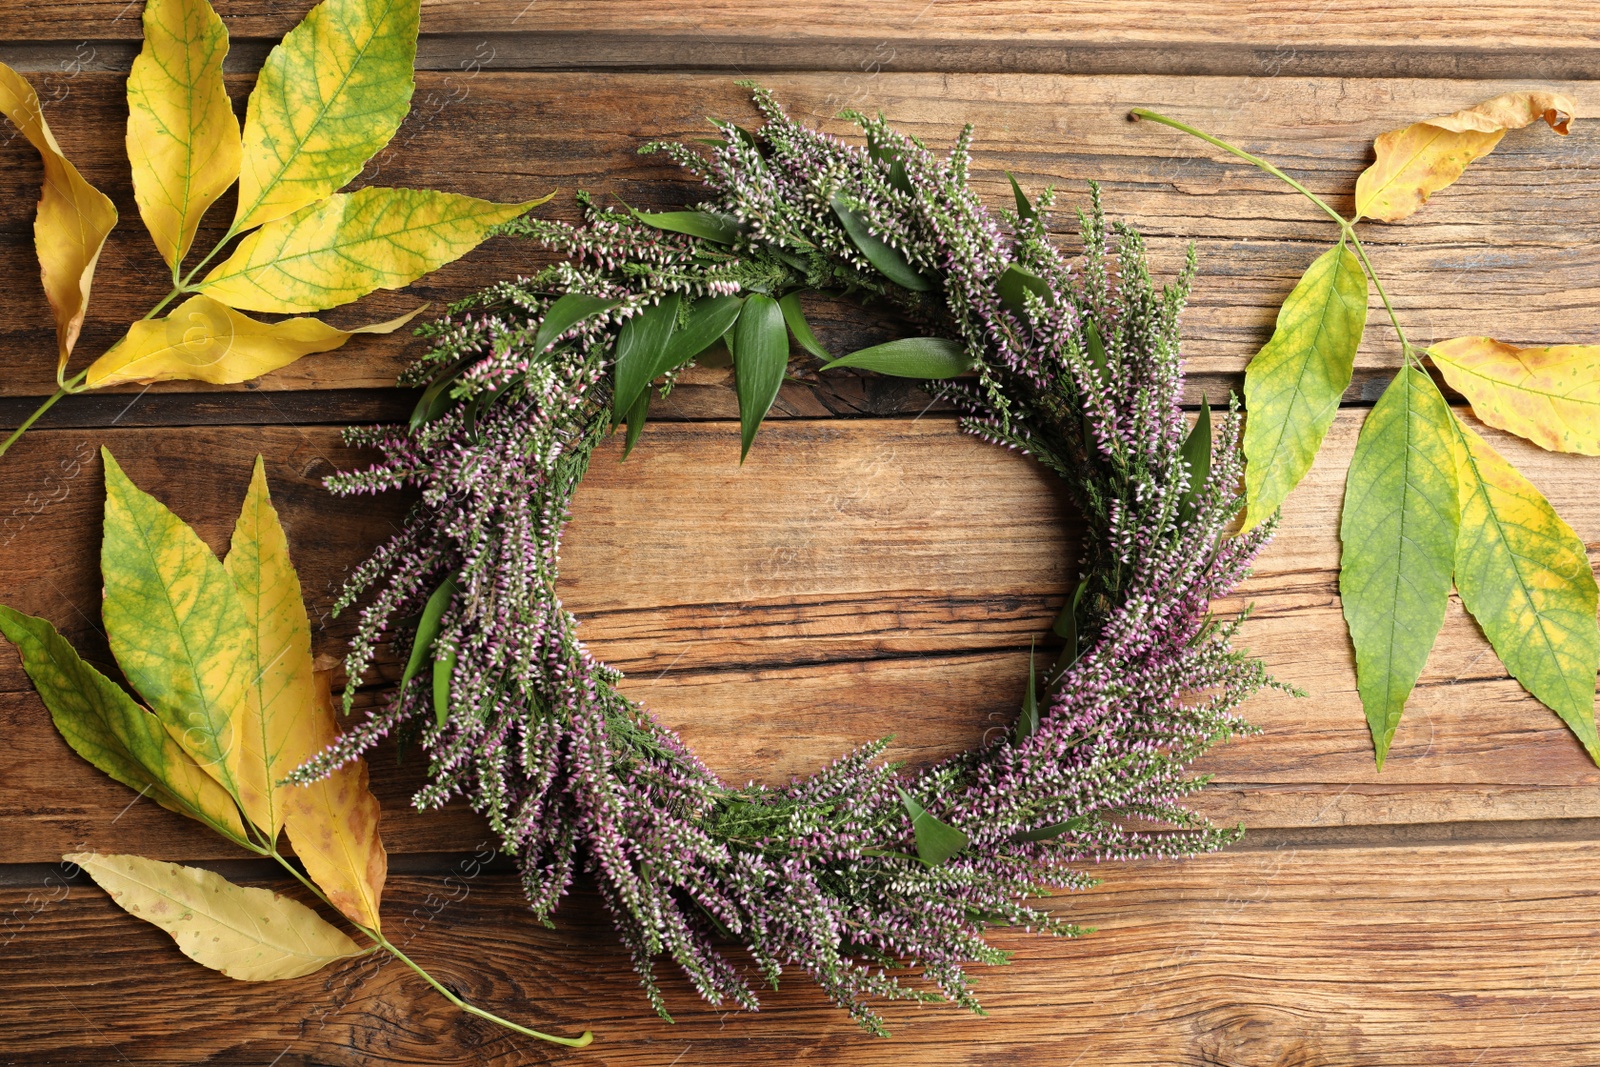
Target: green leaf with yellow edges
<point>342,248</point>
<point>329,97</point>
<point>204,341</point>
<point>1524,575</point>
<point>179,633</point>
<point>1401,516</point>
<point>1293,385</point>
<point>107,727</point>
<point>183,138</point>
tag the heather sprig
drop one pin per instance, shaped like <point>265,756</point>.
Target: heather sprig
<point>827,875</point>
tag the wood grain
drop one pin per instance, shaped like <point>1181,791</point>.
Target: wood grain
<point>1287,955</point>
<point>1511,250</point>
<point>854,579</point>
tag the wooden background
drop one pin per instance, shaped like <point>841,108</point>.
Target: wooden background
<point>870,570</point>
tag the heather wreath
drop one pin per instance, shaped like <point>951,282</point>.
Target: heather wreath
<point>866,876</point>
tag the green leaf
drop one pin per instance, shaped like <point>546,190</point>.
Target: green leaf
<point>107,727</point>
<point>565,313</point>
<point>1028,721</point>
<point>175,625</point>
<point>1196,456</point>
<point>1066,628</point>
<point>1045,833</point>
<point>796,318</point>
<point>706,225</point>
<point>641,348</point>
<point>330,95</point>
<point>1401,516</point>
<point>1525,576</point>
<point>636,420</point>
<point>760,357</point>
<point>1097,349</point>
<point>1293,385</point>
<point>433,401</point>
<point>709,318</point>
<point>443,667</point>
<point>889,262</point>
<point>936,841</point>
<point>911,357</point>
<point>1024,208</point>
<point>1014,285</point>
<point>342,248</point>
<point>428,629</point>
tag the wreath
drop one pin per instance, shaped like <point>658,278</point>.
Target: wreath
<point>863,875</point>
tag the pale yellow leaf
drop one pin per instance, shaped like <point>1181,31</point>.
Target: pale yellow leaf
<point>250,934</point>
<point>333,824</point>
<point>202,340</point>
<point>1418,160</point>
<point>183,138</point>
<point>273,729</point>
<point>1549,395</point>
<point>73,218</point>
<point>334,251</point>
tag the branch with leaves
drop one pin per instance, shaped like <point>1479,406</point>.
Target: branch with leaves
<point>220,650</point>
<point>1428,503</point>
<point>329,97</point>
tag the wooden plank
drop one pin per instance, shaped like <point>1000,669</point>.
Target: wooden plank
<point>872,577</point>
<point>1478,260</point>
<point>1450,955</point>
<point>1341,23</point>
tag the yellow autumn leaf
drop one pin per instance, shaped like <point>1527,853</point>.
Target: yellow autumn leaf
<point>330,95</point>
<point>333,823</point>
<point>342,248</point>
<point>183,138</point>
<point>253,935</point>
<point>272,728</point>
<point>1418,160</point>
<point>1549,395</point>
<point>73,218</point>
<point>202,340</point>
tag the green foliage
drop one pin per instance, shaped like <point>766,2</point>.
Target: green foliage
<point>911,357</point>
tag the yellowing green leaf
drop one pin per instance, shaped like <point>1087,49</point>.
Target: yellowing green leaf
<point>250,934</point>
<point>333,822</point>
<point>1401,516</point>
<point>183,138</point>
<point>202,340</point>
<point>1293,385</point>
<point>1549,395</point>
<point>1417,161</point>
<point>1525,576</point>
<point>179,633</point>
<point>272,728</point>
<point>73,218</point>
<point>332,252</point>
<point>109,729</point>
<point>329,96</point>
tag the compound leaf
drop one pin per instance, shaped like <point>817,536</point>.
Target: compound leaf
<point>253,935</point>
<point>183,138</point>
<point>342,248</point>
<point>1525,576</point>
<point>1293,385</point>
<point>1401,516</point>
<point>1549,395</point>
<point>329,97</point>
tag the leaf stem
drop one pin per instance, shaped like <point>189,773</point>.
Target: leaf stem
<point>66,388</point>
<point>381,942</point>
<point>1346,227</point>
